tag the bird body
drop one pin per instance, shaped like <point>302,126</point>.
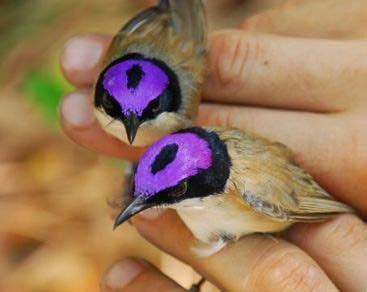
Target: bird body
<point>266,192</point>
<point>226,183</point>
<point>221,220</point>
<point>153,73</point>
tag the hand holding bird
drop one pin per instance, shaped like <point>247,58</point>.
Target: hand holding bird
<point>332,151</point>
<point>225,183</point>
<point>154,71</point>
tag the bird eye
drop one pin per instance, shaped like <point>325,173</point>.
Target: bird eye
<point>107,103</point>
<point>156,106</point>
<point>180,190</point>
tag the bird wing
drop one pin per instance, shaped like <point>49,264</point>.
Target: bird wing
<point>186,18</point>
<point>268,180</point>
<point>145,17</point>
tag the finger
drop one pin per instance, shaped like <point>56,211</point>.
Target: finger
<point>255,263</point>
<point>81,58</point>
<point>265,70</point>
<point>293,73</point>
<point>291,128</point>
<point>79,123</point>
<point>339,246</point>
<point>313,19</point>
<point>315,140</point>
<point>136,275</point>
<point>218,11</point>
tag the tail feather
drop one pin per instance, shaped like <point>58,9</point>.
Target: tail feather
<point>188,19</point>
<point>319,209</point>
<point>143,18</point>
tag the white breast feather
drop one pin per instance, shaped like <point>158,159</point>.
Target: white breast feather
<point>212,218</point>
<point>148,132</point>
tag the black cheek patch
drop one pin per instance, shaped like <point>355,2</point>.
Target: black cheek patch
<point>165,157</point>
<point>134,76</point>
<point>170,99</point>
<point>212,180</point>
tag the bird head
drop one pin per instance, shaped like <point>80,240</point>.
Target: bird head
<point>134,90</point>
<point>189,164</point>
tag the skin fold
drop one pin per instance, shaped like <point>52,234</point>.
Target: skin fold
<point>285,75</point>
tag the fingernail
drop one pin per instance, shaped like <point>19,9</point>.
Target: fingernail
<point>151,214</point>
<point>122,273</point>
<point>82,52</point>
<point>77,111</point>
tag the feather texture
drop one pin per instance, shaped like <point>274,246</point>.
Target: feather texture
<point>175,33</point>
<point>143,18</point>
<point>265,175</point>
<point>188,19</point>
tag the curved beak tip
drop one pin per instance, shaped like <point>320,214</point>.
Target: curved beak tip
<point>132,124</point>
<point>136,206</point>
<point>116,224</point>
<point>131,139</point>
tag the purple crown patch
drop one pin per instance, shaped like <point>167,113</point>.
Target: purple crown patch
<point>192,154</point>
<point>134,83</point>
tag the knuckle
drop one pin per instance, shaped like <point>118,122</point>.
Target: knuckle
<point>232,56</point>
<point>250,23</point>
<point>354,167</point>
<point>298,2</point>
<point>346,230</point>
<point>357,140</point>
<point>257,22</point>
<point>288,270</point>
<point>223,117</point>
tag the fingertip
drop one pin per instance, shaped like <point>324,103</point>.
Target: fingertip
<point>80,124</point>
<point>151,214</point>
<point>166,230</point>
<point>76,110</point>
<point>342,230</point>
<point>81,57</point>
<point>121,274</point>
<point>136,275</point>
<point>339,247</point>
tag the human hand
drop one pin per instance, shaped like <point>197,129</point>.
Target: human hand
<point>307,93</point>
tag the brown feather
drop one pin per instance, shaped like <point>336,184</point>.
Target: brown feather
<point>156,39</point>
<point>266,177</point>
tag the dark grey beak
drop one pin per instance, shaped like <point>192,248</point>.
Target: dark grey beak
<point>132,124</point>
<point>136,206</point>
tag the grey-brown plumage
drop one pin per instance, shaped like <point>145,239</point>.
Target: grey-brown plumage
<point>173,34</point>
<point>269,180</point>
<point>250,185</point>
<point>165,35</point>
<point>267,191</point>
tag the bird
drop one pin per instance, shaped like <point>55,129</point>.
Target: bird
<point>153,73</point>
<point>225,184</point>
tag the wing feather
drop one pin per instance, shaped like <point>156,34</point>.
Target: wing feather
<point>189,20</point>
<point>143,18</point>
<point>186,18</point>
<point>268,179</point>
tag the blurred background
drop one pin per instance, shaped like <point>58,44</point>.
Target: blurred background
<point>56,224</point>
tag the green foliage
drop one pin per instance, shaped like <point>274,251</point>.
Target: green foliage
<point>45,89</point>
